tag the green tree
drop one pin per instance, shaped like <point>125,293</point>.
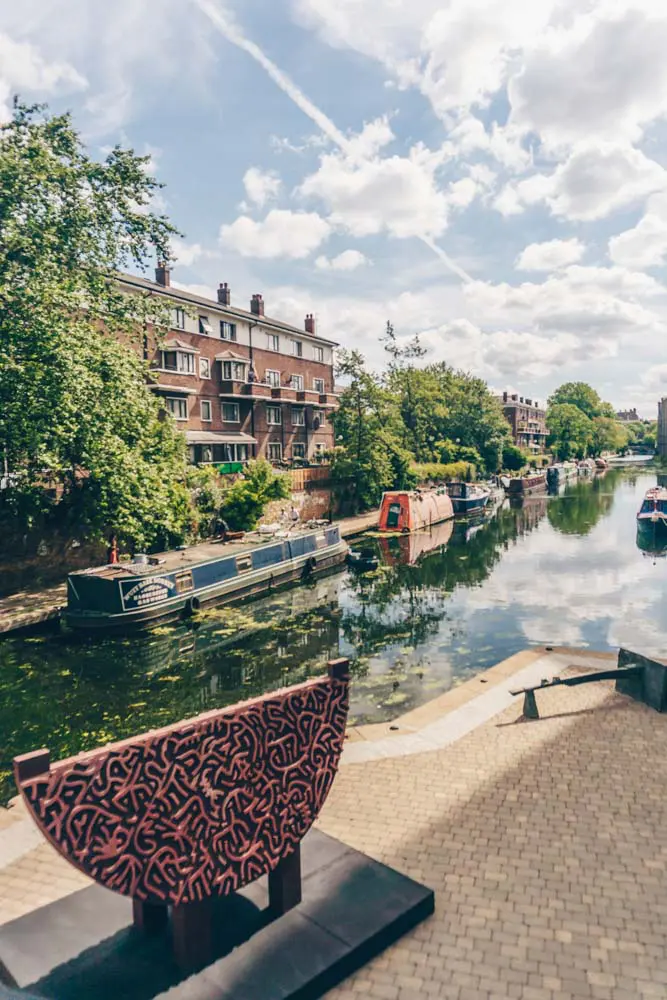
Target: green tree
<point>584,397</point>
<point>244,502</point>
<point>513,458</point>
<point>570,430</point>
<point>473,418</point>
<point>608,435</point>
<point>369,457</point>
<point>75,411</point>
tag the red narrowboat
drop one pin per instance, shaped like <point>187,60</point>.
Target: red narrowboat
<point>415,510</point>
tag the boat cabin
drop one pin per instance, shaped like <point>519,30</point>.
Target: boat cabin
<point>414,510</point>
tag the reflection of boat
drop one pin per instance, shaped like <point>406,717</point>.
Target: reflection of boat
<point>412,511</point>
<point>601,464</point>
<point>468,498</point>
<point>363,560</point>
<point>586,467</point>
<point>409,549</point>
<point>652,518</point>
<point>561,473</point>
<point>522,485</point>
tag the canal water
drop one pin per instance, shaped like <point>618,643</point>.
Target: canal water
<point>566,570</point>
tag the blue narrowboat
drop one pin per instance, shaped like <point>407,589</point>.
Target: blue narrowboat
<point>652,517</point>
<point>468,498</point>
<point>123,596</point>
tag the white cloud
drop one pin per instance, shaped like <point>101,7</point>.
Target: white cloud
<point>291,235</point>
<point>594,181</point>
<point>261,186</point>
<point>646,244</point>
<point>348,260</point>
<point>186,253</point>
<point>551,255</point>
<point>24,70</point>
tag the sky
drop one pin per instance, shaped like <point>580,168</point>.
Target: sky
<point>490,174</point>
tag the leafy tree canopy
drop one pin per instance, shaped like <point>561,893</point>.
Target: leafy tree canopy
<point>75,411</point>
<point>584,397</point>
<point>570,430</point>
<point>244,502</point>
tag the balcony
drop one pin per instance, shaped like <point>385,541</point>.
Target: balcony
<point>308,396</point>
<point>252,390</point>
<point>328,399</point>
<point>284,393</point>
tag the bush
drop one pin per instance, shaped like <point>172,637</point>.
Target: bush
<point>513,458</point>
<point>206,494</point>
<point>439,471</point>
<point>244,502</point>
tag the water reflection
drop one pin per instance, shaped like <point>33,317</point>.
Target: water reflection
<point>439,608</point>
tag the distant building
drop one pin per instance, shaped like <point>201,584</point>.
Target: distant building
<point>527,420</point>
<point>628,416</point>
<point>662,427</point>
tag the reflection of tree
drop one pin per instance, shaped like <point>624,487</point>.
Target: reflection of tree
<point>407,603</point>
<point>121,687</point>
<point>582,505</point>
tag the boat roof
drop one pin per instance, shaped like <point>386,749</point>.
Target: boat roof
<point>194,555</point>
<point>656,493</point>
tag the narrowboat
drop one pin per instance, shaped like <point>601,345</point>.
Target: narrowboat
<point>561,473</point>
<point>414,510</point>
<point>586,467</point>
<point>601,464</point>
<point>652,515</point>
<point>124,596</point>
<point>523,485</point>
<point>468,498</point>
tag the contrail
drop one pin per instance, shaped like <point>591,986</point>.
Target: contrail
<point>231,32</point>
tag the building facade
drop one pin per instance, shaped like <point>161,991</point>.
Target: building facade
<point>661,443</point>
<point>628,416</point>
<point>527,420</point>
<point>240,384</point>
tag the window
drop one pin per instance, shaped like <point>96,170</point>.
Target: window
<point>204,368</point>
<point>319,418</point>
<point>275,451</point>
<point>318,385</point>
<point>179,319</point>
<point>318,354</point>
<point>298,416</point>
<point>192,458</point>
<point>297,382</point>
<point>241,452</point>
<point>227,330</point>
<point>178,361</point>
<point>205,326</point>
<point>205,409</point>
<point>184,581</point>
<point>273,378</point>
<point>273,341</point>
<point>273,415</point>
<point>319,451</point>
<point>178,407</point>
<point>298,450</point>
<point>230,413</point>
<point>233,371</point>
<point>297,348</point>
<point>207,453</point>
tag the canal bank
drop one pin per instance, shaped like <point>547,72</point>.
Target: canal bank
<point>526,832</point>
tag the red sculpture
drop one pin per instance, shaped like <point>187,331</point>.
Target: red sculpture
<point>198,809</point>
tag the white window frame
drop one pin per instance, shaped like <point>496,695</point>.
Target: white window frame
<point>274,446</point>
<point>205,405</point>
<point>300,445</point>
<point>273,342</point>
<point>204,368</point>
<point>179,318</point>
<point>317,382</point>
<point>296,382</point>
<point>183,403</point>
<point>230,420</point>
<point>297,348</point>
<point>274,409</point>
<point>318,354</point>
<point>298,411</point>
<point>185,361</point>
<point>321,416</point>
<point>204,326</point>
<point>272,377</point>
<point>230,371</point>
<point>227,331</point>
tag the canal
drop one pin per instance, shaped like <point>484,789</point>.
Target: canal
<point>561,571</point>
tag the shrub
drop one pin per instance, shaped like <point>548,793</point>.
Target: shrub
<point>244,502</point>
<point>513,458</point>
<point>439,471</point>
<point>206,494</point>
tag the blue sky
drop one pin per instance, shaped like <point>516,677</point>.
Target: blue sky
<point>488,173</point>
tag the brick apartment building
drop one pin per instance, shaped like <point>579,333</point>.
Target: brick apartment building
<point>240,384</point>
<point>527,420</point>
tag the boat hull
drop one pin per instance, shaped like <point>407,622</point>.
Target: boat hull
<point>469,505</point>
<point>220,592</point>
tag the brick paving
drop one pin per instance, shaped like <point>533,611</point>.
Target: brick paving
<point>545,843</point>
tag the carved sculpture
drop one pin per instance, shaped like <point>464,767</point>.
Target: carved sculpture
<point>181,815</point>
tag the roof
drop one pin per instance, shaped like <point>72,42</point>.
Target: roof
<point>230,356</point>
<point>181,345</point>
<point>180,295</point>
<point>212,437</point>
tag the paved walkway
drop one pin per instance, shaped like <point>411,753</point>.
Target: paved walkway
<point>545,843</point>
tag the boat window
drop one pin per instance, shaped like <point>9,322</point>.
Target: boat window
<point>183,581</point>
<point>244,563</point>
<point>455,489</point>
<point>647,506</point>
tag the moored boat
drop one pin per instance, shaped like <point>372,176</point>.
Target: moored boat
<point>561,473</point>
<point>468,498</point>
<point>586,467</point>
<point>601,464</point>
<point>522,485</point>
<point>413,510</point>
<point>123,596</point>
<point>652,515</point>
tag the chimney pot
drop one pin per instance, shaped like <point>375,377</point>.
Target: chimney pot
<point>163,274</point>
<point>310,323</point>
<point>224,294</point>
<point>504,397</point>
<point>257,305</point>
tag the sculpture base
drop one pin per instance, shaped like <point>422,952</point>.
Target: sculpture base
<point>86,946</point>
